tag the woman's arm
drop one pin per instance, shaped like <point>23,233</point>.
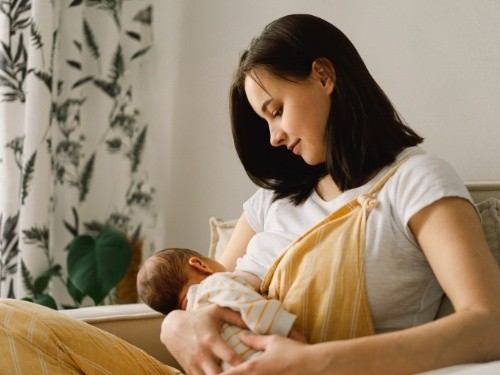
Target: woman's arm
<point>237,244</point>
<point>452,239</point>
<point>193,338</point>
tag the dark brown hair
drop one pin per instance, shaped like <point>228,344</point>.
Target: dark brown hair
<point>162,277</point>
<point>364,132</point>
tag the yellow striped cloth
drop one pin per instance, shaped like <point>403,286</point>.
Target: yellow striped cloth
<point>320,277</point>
<point>37,340</point>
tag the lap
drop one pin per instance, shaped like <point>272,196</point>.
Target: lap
<point>35,339</point>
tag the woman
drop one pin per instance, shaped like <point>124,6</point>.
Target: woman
<point>314,131</point>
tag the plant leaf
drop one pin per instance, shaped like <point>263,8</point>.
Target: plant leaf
<point>27,279</point>
<point>45,77</point>
<point>27,176</point>
<point>95,266</point>
<point>87,173</point>
<point>37,236</point>
<point>145,16</point>
<point>36,37</point>
<point>94,226</point>
<point>140,53</point>
<point>46,300</point>
<point>74,64</point>
<point>133,35</point>
<point>114,145</point>
<point>73,229</point>
<point>117,65</point>
<point>137,149</point>
<point>90,40</point>
<point>112,89</point>
<point>42,281</point>
<point>10,245</point>
<point>74,292</point>
<point>82,81</point>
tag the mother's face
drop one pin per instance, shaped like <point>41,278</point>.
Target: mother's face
<point>296,112</point>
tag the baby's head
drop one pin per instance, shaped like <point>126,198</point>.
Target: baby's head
<point>165,277</point>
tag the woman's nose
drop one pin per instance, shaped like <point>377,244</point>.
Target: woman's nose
<point>278,136</point>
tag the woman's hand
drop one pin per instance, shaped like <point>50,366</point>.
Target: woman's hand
<point>281,356</point>
<point>193,338</point>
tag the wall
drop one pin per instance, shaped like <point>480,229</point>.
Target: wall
<point>438,61</point>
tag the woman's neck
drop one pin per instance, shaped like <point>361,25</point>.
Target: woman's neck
<point>327,189</point>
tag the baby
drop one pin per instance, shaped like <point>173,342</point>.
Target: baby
<point>178,278</point>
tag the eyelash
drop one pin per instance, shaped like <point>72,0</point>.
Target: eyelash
<point>278,112</point>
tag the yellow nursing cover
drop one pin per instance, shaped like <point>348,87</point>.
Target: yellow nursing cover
<point>320,277</point>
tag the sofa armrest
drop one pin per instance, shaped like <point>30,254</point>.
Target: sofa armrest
<point>135,323</point>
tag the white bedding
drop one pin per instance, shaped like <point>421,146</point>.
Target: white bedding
<point>488,368</point>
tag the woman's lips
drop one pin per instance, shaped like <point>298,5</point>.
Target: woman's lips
<point>294,147</point>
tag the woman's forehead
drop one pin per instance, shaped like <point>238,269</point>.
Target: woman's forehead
<point>256,92</point>
<point>261,77</point>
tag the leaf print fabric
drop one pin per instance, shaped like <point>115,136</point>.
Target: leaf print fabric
<point>72,137</point>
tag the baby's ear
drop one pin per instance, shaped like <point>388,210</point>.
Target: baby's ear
<point>200,265</point>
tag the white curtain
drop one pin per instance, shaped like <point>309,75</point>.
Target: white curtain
<point>72,136</point>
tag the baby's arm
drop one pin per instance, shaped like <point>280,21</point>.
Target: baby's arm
<point>261,315</point>
<point>250,278</point>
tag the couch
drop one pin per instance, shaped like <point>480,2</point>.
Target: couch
<point>140,325</point>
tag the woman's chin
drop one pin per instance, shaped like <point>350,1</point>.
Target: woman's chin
<point>313,161</point>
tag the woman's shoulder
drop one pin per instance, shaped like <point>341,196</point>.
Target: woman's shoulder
<point>256,208</point>
<point>425,170</point>
<point>260,198</point>
<point>421,180</point>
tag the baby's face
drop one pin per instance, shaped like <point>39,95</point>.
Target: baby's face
<point>183,301</point>
<point>193,278</point>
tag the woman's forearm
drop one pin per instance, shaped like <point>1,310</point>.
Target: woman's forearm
<point>469,336</point>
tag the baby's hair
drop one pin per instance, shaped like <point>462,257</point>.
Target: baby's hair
<point>162,276</point>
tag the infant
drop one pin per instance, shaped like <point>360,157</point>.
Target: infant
<point>177,278</point>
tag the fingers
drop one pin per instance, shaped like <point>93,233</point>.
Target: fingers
<point>229,316</point>
<point>226,354</point>
<point>193,338</point>
<point>256,342</point>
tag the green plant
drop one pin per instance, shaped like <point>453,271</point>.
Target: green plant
<point>97,264</point>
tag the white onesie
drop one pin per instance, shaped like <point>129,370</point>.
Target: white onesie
<point>261,315</point>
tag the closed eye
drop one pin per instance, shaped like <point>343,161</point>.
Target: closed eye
<point>278,112</point>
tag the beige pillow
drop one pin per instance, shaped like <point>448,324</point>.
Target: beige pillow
<point>220,232</point>
<point>490,216</point>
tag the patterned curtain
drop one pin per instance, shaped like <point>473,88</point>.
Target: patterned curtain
<point>72,137</point>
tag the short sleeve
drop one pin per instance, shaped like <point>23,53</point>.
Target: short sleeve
<point>256,207</point>
<point>421,181</point>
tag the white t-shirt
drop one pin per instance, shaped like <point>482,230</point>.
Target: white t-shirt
<point>402,289</point>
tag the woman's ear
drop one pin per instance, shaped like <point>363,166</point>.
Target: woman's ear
<point>323,70</point>
<point>200,265</point>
